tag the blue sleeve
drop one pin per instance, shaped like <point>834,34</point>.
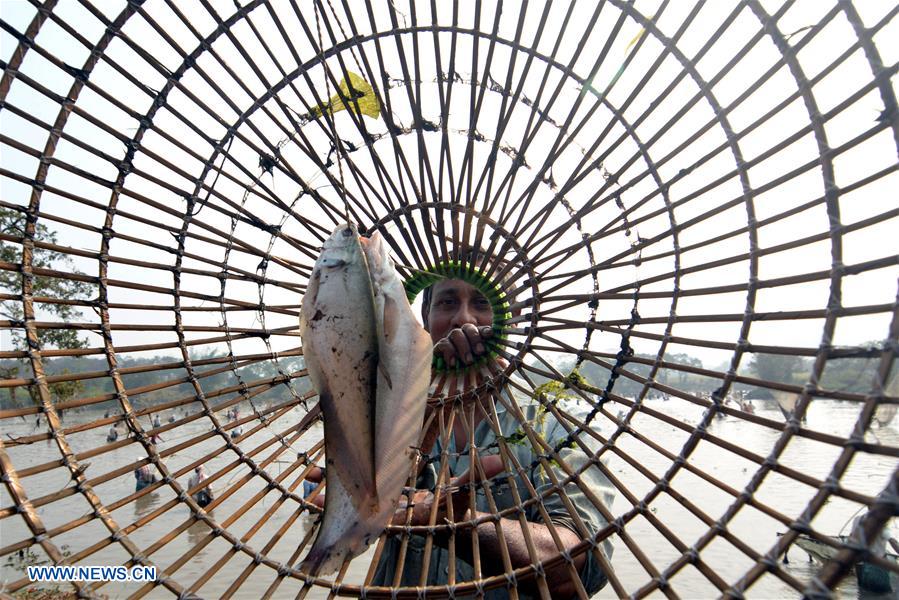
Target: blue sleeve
<point>591,478</point>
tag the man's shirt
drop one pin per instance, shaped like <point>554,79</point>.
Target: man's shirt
<point>549,428</point>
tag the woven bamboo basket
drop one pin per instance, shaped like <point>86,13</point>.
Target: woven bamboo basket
<point>684,214</point>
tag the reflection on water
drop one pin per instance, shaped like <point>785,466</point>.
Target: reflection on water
<point>196,534</point>
<point>145,504</point>
<point>266,520</point>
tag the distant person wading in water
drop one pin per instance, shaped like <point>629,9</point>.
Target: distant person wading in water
<point>203,496</point>
<point>143,476</point>
<point>459,319</point>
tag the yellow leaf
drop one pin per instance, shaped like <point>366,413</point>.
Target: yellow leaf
<point>637,37</point>
<point>357,88</point>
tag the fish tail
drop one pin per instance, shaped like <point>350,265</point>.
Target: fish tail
<point>327,556</point>
<point>323,560</point>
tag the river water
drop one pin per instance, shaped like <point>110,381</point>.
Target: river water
<point>260,520</point>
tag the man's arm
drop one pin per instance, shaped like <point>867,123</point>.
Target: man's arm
<point>558,578</point>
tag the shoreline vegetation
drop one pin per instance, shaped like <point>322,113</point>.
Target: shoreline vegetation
<point>150,383</point>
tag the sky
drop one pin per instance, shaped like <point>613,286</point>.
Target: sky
<point>653,146</point>
<point>633,126</point>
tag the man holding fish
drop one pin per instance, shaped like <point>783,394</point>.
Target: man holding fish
<point>370,361</point>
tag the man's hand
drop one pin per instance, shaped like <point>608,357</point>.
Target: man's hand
<point>558,579</point>
<point>423,505</point>
<point>423,500</point>
<point>464,345</point>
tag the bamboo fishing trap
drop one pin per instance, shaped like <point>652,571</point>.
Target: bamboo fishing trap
<point>684,214</point>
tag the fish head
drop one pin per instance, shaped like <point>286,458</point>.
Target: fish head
<point>377,255</point>
<point>341,249</point>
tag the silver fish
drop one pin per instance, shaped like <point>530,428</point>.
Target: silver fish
<point>404,374</point>
<point>337,325</point>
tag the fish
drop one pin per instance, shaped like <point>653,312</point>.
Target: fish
<point>370,361</point>
<point>403,377</point>
<point>337,327</point>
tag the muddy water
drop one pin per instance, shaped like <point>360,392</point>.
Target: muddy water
<point>207,565</point>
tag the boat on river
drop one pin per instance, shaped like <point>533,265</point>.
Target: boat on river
<point>870,577</point>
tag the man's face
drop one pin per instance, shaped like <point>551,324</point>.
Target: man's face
<point>453,304</point>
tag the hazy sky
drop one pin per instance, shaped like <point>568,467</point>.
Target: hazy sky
<point>639,129</point>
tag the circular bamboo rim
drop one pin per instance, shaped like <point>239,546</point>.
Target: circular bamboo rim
<point>171,170</point>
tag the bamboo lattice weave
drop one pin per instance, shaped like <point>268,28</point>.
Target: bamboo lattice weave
<point>689,207</point>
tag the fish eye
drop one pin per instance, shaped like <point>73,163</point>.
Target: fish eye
<point>347,232</point>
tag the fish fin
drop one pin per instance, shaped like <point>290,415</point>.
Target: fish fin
<point>309,297</point>
<point>325,559</point>
<point>382,369</point>
<point>344,531</point>
<point>312,565</point>
<point>392,317</point>
<point>312,287</point>
<point>373,423</point>
<point>360,466</point>
<point>332,263</point>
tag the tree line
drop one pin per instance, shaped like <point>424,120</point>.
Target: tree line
<point>853,373</point>
<point>103,385</point>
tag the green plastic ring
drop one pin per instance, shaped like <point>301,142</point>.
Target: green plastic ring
<point>493,292</point>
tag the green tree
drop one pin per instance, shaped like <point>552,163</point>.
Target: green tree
<point>12,224</point>
<point>681,359</point>
<point>777,367</point>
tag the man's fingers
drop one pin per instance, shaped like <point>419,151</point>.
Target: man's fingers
<point>461,504</point>
<point>459,498</point>
<point>464,351</point>
<point>475,341</point>
<point>463,345</point>
<point>445,349</point>
<point>478,337</point>
<point>399,514</point>
<point>422,502</point>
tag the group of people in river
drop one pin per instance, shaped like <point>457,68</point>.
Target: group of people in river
<point>202,495</point>
<point>113,433</point>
